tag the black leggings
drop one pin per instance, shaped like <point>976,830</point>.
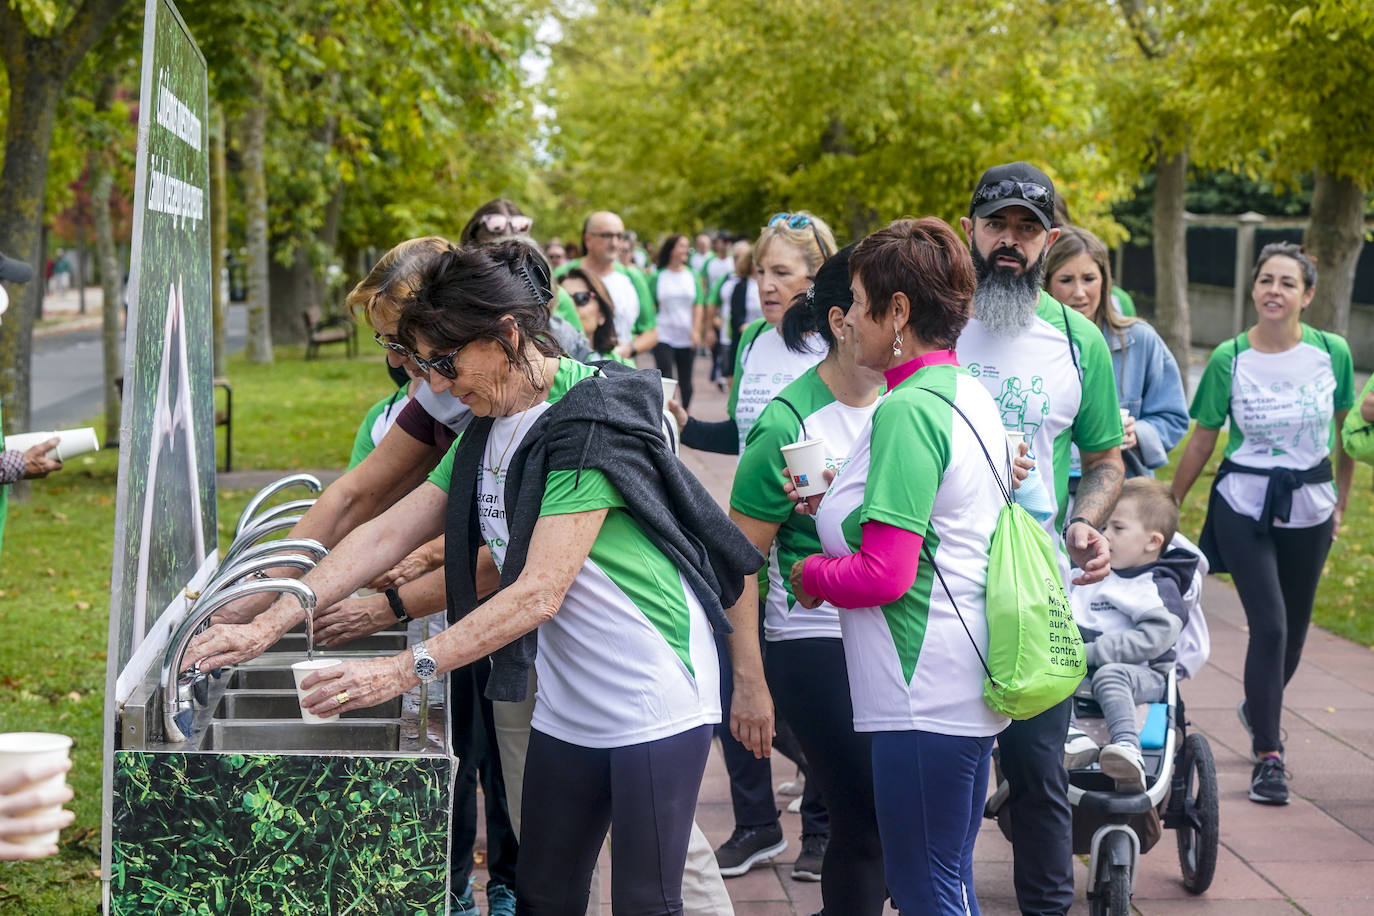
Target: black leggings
<point>645,793</point>
<point>810,685</point>
<point>669,358</point>
<point>1276,574</point>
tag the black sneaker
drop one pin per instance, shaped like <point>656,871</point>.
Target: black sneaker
<point>749,846</point>
<point>808,865</point>
<point>1269,783</point>
<point>1244,715</point>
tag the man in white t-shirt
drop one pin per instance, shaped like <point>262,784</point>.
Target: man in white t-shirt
<point>634,327</point>
<point>1054,372</point>
<point>701,250</point>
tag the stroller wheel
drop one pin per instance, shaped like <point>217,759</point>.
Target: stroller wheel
<point>1111,891</point>
<point>1199,829</point>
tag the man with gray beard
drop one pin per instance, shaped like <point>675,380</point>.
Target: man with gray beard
<point>1051,372</point>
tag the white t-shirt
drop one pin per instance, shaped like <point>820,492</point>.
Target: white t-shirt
<point>626,301</point>
<point>756,493</point>
<point>717,268</point>
<point>753,306</point>
<point>764,366</point>
<point>677,295</point>
<point>630,656</point>
<point>1282,407</point>
<point>919,467</point>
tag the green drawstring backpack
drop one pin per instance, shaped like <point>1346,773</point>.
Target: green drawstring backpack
<point>1357,435</point>
<point>1035,654</point>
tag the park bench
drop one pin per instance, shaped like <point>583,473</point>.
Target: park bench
<point>323,331</point>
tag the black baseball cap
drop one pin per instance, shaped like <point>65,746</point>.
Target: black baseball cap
<point>1016,184</point>
<point>12,271</point>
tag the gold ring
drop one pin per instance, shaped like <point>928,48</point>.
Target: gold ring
<point>341,697</point>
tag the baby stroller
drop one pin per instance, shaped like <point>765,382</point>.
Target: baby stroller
<point>1115,829</point>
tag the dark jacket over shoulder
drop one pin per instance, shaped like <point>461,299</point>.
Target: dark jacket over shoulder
<point>611,423</point>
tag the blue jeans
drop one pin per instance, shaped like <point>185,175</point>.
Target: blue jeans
<point>929,790</point>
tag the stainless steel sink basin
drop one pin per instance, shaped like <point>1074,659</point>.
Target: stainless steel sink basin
<point>387,642</point>
<point>356,736</point>
<point>279,704</point>
<point>262,677</point>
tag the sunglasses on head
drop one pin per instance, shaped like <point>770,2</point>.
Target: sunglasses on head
<point>1026,190</point>
<point>498,222</point>
<point>391,345</point>
<point>442,364</point>
<point>581,299</point>
<point>800,221</point>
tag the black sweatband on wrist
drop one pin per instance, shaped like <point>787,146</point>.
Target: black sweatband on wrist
<point>393,598</point>
<point>1077,518</point>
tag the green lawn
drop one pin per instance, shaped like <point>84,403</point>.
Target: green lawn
<point>55,580</point>
<point>55,576</point>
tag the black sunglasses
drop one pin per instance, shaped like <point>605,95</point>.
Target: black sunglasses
<point>800,221</point>
<point>581,299</point>
<point>1026,190</point>
<point>391,345</point>
<point>442,364</point>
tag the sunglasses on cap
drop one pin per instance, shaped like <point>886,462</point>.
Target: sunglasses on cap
<point>442,364</point>
<point>392,345</point>
<point>1026,190</point>
<point>800,221</point>
<point>582,298</point>
<point>498,222</point>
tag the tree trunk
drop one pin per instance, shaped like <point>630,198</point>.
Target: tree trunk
<point>253,135</point>
<point>102,181</point>
<point>219,240</point>
<point>1171,259</point>
<point>293,290</point>
<point>1334,236</point>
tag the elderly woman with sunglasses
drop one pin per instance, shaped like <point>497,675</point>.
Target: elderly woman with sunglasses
<point>789,251</point>
<point>629,564</point>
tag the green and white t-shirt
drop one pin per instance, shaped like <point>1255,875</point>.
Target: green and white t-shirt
<point>919,467</point>
<point>630,656</point>
<point>758,493</point>
<point>763,367</point>
<point>1282,407</point>
<point>1038,390</point>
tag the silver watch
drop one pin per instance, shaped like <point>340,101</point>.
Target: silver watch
<point>426,668</point>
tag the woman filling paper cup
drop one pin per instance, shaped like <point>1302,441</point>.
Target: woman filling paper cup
<point>302,670</point>
<point>23,753</point>
<point>806,465</point>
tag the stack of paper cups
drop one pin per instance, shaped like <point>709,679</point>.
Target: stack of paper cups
<point>72,442</point>
<point>38,749</point>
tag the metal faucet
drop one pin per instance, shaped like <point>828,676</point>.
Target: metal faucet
<point>256,533</point>
<point>282,545</point>
<point>246,517</point>
<point>247,566</point>
<point>280,509</point>
<point>176,717</point>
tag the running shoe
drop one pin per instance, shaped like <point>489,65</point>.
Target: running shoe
<point>1079,749</point>
<point>1269,782</point>
<point>500,900</point>
<point>464,905</point>
<point>1124,764</point>
<point>808,864</point>
<point>1244,717</point>
<point>749,846</point>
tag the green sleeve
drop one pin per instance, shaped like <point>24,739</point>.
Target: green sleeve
<point>440,475</point>
<point>1098,424</point>
<point>757,490</point>
<point>566,310</point>
<point>362,442</point>
<point>566,492</point>
<point>1212,400</point>
<point>1344,367</point>
<point>648,311</point>
<point>746,338</point>
<point>713,297</point>
<point>911,433</point>
<point>1124,300</point>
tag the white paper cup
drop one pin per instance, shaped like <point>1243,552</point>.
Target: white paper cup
<point>1124,414</point>
<point>72,442</point>
<point>806,463</point>
<point>23,749</point>
<point>669,389</point>
<point>1014,438</point>
<point>302,670</point>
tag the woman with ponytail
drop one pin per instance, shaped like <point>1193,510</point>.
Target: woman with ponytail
<point>803,667</point>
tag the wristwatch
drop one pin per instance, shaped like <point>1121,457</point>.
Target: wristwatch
<point>1069,524</point>
<point>393,598</point>
<point>426,668</point>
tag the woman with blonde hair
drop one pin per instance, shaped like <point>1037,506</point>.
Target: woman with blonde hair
<point>1148,384</point>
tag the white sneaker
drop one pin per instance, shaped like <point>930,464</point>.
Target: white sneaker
<point>1079,750</point>
<point>1123,763</point>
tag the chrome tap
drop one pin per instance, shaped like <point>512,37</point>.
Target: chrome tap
<point>309,481</point>
<point>252,535</point>
<point>176,717</point>
<point>286,508</point>
<point>281,545</point>
<point>247,566</point>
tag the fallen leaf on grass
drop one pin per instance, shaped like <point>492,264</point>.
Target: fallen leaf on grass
<point>83,605</point>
